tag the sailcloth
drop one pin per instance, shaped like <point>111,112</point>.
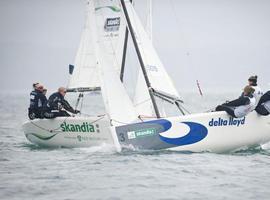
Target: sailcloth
<point>119,107</point>
<point>156,72</point>
<point>104,20</point>
<point>85,71</point>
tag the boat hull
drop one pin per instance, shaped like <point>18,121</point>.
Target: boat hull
<point>69,132</point>
<point>206,132</point>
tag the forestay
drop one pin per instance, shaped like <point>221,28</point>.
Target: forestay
<point>103,20</point>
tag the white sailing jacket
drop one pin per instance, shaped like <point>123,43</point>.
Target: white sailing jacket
<point>243,110</point>
<point>257,93</point>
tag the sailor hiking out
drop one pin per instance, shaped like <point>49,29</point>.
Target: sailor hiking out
<point>38,102</point>
<point>252,81</point>
<point>263,107</point>
<point>240,107</point>
<point>58,106</point>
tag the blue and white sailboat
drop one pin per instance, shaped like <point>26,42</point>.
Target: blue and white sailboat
<point>125,124</point>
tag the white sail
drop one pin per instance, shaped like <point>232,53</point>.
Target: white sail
<point>142,99</point>
<point>103,20</point>
<point>85,71</point>
<point>149,22</point>
<point>118,105</point>
<point>156,72</point>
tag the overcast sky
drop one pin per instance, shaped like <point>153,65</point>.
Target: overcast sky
<point>219,42</point>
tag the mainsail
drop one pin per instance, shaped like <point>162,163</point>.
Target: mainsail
<point>103,20</point>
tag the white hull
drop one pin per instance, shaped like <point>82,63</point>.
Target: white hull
<point>205,132</point>
<point>69,132</point>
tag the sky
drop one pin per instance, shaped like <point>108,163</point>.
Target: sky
<point>218,42</point>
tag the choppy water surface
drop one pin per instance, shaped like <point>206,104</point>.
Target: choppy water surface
<point>30,172</point>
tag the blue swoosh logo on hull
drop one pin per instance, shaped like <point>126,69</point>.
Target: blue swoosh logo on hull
<point>197,133</point>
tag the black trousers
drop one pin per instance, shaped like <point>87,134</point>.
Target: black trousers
<point>35,113</point>
<point>262,110</point>
<point>51,115</point>
<point>227,109</point>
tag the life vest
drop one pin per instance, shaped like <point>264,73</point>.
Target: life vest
<point>243,110</point>
<point>257,93</point>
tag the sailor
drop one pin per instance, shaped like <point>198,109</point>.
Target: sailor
<point>45,92</point>
<point>252,81</point>
<point>263,107</point>
<point>58,106</point>
<point>35,85</point>
<point>38,102</point>
<point>240,107</point>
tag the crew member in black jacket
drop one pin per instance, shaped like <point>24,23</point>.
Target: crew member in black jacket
<point>240,107</point>
<point>263,107</point>
<point>58,106</point>
<point>38,102</point>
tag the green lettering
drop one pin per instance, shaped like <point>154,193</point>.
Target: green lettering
<point>83,127</point>
<point>91,128</point>
<point>72,128</point>
<point>63,127</point>
<point>78,128</point>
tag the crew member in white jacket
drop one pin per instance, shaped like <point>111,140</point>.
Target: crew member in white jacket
<point>252,81</point>
<point>240,107</point>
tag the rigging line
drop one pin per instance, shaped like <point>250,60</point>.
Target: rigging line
<point>142,102</point>
<point>140,59</point>
<point>183,107</point>
<point>138,33</point>
<point>82,102</point>
<point>184,41</point>
<point>120,122</point>
<point>78,101</point>
<point>101,115</point>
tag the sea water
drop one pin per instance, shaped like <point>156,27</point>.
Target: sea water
<point>31,172</point>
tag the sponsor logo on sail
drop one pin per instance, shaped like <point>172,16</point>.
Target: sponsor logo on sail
<point>112,24</point>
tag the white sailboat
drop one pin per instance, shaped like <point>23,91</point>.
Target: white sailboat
<point>125,124</point>
<point>102,37</point>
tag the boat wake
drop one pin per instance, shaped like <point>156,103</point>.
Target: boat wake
<point>103,148</point>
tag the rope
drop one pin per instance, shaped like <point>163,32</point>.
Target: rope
<point>125,123</point>
<point>142,102</point>
<point>81,103</point>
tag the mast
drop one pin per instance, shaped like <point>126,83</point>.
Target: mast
<point>124,54</point>
<point>150,90</point>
